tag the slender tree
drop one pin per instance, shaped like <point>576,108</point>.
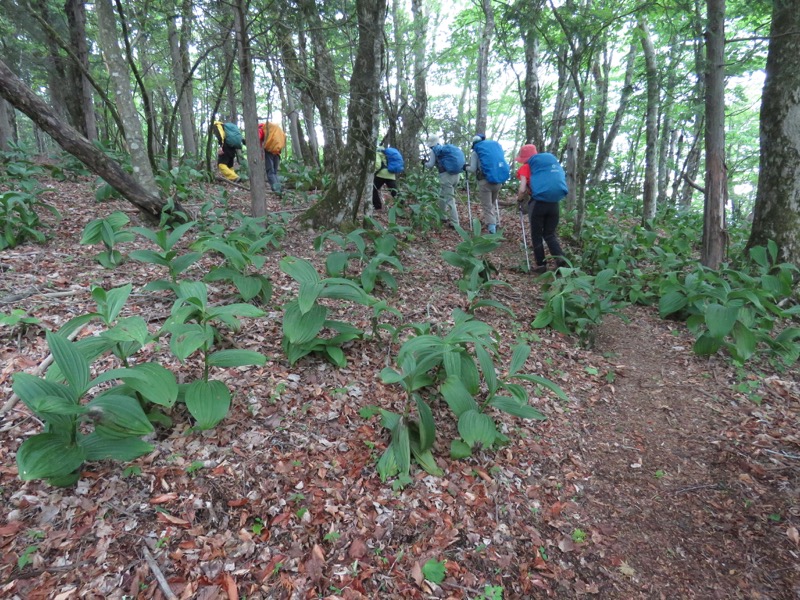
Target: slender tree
<point>651,127</point>
<point>716,190</point>
<point>120,77</point>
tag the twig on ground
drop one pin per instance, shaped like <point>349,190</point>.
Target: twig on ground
<point>162,581</point>
<point>233,183</point>
<point>12,401</point>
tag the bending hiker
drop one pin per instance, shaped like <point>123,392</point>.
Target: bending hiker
<point>491,170</point>
<point>388,163</point>
<point>273,140</point>
<point>449,160</point>
<point>543,183</point>
<point>230,140</point>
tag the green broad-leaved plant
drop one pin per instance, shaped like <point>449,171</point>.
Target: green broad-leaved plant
<point>305,318</point>
<point>193,328</point>
<point>109,231</point>
<point>458,367</point>
<point>79,427</point>
<point>575,303</point>
<point>736,310</point>
<point>168,256</point>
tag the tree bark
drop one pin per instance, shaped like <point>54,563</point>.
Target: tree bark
<point>18,95</point>
<point>529,15</point>
<point>118,72</point>
<point>651,125</point>
<point>180,74</point>
<point>487,32</point>
<point>353,170</point>
<point>714,234</point>
<point>777,209</point>
<point>323,85</point>
<point>604,152</point>
<point>76,16</point>
<point>255,154</point>
<point>5,126</point>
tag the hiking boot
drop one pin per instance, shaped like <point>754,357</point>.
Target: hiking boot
<point>538,270</point>
<point>492,228</point>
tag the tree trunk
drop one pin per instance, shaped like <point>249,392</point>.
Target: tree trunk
<point>625,96</point>
<point>651,125</point>
<point>777,209</point>
<point>323,86</point>
<point>413,114</point>
<point>714,234</point>
<point>571,169</point>
<point>529,15</point>
<point>354,168</point>
<point>76,16</point>
<point>184,92</point>
<point>255,154</point>
<point>143,197</point>
<point>482,113</point>
<point>5,126</point>
<point>120,78</point>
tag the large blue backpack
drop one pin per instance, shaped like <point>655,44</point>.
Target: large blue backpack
<point>493,161</point>
<point>394,160</point>
<point>548,182</point>
<point>450,158</point>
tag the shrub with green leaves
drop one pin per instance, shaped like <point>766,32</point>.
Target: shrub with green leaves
<point>477,272</point>
<point>305,318</point>
<point>108,231</point>
<point>460,368</point>
<point>80,428</point>
<point>418,202</point>
<point>193,328</point>
<point>243,259</point>
<point>737,310</point>
<point>19,218</point>
<point>575,303</point>
<point>370,255</point>
<point>169,255</point>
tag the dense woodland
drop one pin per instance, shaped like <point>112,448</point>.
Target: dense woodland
<point>211,390</point>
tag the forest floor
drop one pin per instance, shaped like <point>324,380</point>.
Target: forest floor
<point>665,475</point>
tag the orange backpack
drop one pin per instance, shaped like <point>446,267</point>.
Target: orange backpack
<point>272,137</point>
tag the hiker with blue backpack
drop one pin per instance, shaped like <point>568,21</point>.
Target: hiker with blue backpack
<point>543,184</point>
<point>388,164</point>
<point>449,161</point>
<point>230,141</point>
<point>488,162</point>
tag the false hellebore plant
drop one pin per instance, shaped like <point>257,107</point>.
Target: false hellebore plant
<point>460,368</point>
<point>109,426</point>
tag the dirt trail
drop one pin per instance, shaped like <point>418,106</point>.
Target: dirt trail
<point>676,511</point>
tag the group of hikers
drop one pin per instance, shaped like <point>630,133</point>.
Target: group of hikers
<point>542,182</point>
<point>542,186</point>
<point>270,137</point>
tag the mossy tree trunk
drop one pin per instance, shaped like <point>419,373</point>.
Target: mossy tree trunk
<point>353,169</point>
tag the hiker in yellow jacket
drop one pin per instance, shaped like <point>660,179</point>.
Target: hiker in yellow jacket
<point>273,140</point>
<point>227,148</point>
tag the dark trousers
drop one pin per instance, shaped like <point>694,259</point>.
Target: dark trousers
<point>272,162</point>
<point>377,184</point>
<point>544,221</point>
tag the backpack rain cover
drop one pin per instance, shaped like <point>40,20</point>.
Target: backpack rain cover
<point>492,161</point>
<point>548,182</point>
<point>451,158</point>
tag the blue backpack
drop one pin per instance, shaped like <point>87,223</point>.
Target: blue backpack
<point>233,136</point>
<point>449,158</point>
<point>394,160</point>
<point>492,161</point>
<point>548,182</point>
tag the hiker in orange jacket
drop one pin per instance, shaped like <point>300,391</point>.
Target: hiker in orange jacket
<point>273,140</point>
